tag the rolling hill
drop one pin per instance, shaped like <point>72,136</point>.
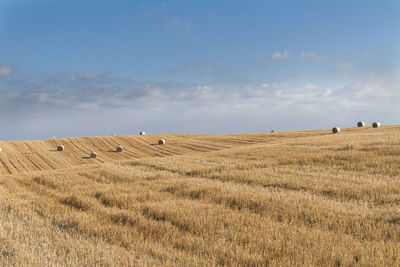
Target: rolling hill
<point>290,198</point>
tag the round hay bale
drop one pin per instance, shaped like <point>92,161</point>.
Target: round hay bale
<point>142,133</point>
<point>360,124</point>
<point>119,149</point>
<point>336,129</point>
<point>161,142</point>
<point>60,148</point>
<point>1,149</point>
<point>93,155</point>
<point>376,124</point>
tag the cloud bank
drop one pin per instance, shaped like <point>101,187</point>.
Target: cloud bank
<point>77,104</point>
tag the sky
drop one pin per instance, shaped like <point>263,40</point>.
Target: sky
<point>92,68</point>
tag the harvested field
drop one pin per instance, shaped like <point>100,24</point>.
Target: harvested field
<point>288,198</point>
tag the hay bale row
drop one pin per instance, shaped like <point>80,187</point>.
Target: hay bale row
<point>376,124</point>
<point>92,154</point>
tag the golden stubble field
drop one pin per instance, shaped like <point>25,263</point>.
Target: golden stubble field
<point>292,198</point>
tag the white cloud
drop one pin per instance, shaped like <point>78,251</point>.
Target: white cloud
<point>279,55</point>
<point>204,89</point>
<point>265,85</point>
<point>373,89</point>
<point>344,66</point>
<point>6,70</point>
<point>311,55</point>
<point>311,86</point>
<point>204,93</point>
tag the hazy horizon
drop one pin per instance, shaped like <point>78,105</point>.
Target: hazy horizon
<point>74,68</point>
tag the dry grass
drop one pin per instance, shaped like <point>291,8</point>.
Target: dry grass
<point>298,198</point>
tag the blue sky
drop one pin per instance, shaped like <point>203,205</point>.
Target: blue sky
<point>76,68</point>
